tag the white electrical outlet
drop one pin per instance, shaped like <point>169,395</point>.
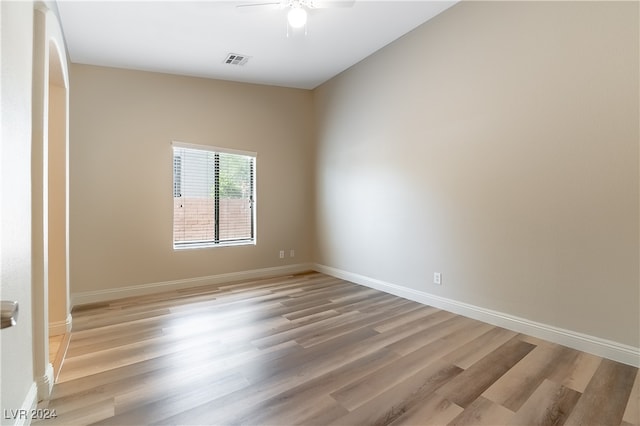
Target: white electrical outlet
<point>281,254</point>
<point>437,278</point>
<point>292,253</point>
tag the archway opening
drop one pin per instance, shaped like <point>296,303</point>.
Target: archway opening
<point>57,211</point>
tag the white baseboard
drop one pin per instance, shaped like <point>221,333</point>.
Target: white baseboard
<point>601,347</point>
<point>57,328</point>
<point>45,384</point>
<point>86,297</point>
<point>22,417</point>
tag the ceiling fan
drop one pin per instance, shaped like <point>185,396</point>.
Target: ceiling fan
<point>297,14</point>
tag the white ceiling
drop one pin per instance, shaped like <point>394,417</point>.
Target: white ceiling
<point>194,37</point>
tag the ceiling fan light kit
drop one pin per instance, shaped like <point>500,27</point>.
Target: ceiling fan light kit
<point>297,17</point>
<point>297,14</point>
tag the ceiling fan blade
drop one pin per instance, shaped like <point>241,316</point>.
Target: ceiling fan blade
<point>328,4</point>
<point>260,6</point>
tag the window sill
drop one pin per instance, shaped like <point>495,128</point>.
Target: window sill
<point>205,245</point>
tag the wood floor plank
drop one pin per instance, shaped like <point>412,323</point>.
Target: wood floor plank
<point>292,333</point>
<point>605,398</point>
<point>174,365</point>
<point>143,380</point>
<point>411,314</point>
<point>396,304</point>
<point>632,412</point>
<point>396,400</point>
<point>578,373</point>
<point>119,339</point>
<point>469,385</point>
<point>93,363</point>
<point>478,348</point>
<point>482,412</point>
<point>329,293</point>
<point>174,400</point>
<point>433,410</point>
<point>318,409</point>
<point>310,349</point>
<point>182,383</point>
<point>269,409</point>
<point>550,404</point>
<point>453,329</point>
<point>319,305</point>
<point>360,392</point>
<point>516,386</point>
<point>366,318</point>
<point>87,414</point>
<point>271,379</point>
<point>122,317</point>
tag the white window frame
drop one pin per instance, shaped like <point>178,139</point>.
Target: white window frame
<point>253,202</point>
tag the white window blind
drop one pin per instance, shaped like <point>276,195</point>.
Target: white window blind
<point>214,197</point>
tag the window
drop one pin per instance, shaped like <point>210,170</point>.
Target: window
<point>213,196</point>
<point>177,172</point>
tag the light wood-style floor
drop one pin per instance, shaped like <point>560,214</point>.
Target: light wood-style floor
<point>58,346</point>
<point>311,349</point>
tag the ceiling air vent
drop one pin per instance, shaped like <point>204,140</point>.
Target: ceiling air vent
<point>236,59</point>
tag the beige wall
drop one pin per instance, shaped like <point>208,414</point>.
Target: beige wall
<point>16,370</point>
<point>121,208</point>
<point>496,144</point>
<point>57,220</point>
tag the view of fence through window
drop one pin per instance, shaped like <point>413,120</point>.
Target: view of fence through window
<point>213,197</point>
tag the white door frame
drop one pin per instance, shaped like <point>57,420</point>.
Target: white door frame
<point>49,68</point>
